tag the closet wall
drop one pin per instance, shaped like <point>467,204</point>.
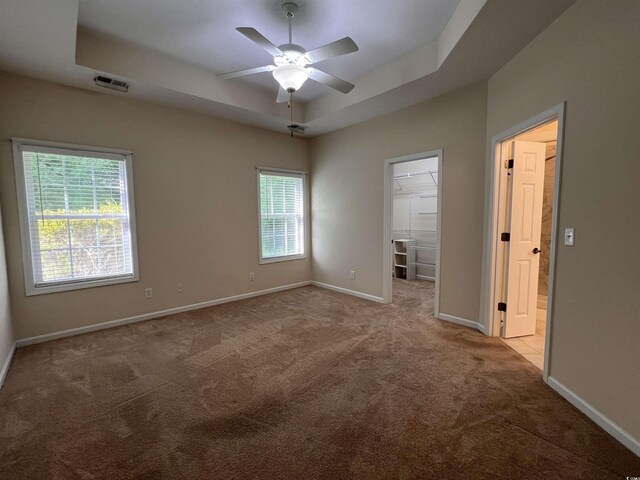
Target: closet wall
<point>415,208</point>
<point>547,217</point>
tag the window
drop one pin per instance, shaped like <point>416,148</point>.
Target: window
<point>76,216</point>
<point>282,217</point>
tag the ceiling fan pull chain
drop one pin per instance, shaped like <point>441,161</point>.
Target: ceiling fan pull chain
<point>291,111</point>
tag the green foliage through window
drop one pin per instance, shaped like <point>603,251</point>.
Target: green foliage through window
<point>78,217</point>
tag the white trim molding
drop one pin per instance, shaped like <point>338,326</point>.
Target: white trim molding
<point>494,255</point>
<point>482,328</point>
<point>151,315</point>
<point>7,364</point>
<point>346,291</point>
<point>461,321</point>
<point>598,417</point>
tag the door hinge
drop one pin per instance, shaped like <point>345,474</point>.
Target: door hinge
<point>505,237</point>
<point>502,307</point>
<point>508,164</point>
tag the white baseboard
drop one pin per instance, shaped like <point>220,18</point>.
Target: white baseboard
<point>462,321</point>
<point>354,293</point>
<point>607,425</point>
<point>482,328</point>
<point>424,277</point>
<point>7,364</point>
<point>148,316</point>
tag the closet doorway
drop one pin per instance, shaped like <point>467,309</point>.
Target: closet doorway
<point>412,228</point>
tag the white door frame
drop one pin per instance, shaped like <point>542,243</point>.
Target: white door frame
<point>495,255</point>
<point>388,223</point>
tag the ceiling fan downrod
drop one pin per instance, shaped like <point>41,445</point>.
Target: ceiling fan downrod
<point>290,10</point>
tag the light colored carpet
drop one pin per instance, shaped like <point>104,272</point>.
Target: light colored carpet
<point>303,384</point>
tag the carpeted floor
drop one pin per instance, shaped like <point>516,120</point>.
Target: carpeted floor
<point>303,384</point>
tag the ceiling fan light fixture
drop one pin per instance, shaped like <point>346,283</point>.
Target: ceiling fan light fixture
<point>291,77</point>
<point>291,57</point>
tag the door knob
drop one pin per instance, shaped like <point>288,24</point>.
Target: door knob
<point>536,250</point>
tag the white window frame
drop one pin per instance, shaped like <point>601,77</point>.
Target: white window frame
<point>23,212</point>
<point>305,214</point>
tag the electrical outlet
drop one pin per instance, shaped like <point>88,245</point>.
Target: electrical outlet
<point>352,274</point>
<point>252,276</point>
<point>148,293</point>
<point>179,288</point>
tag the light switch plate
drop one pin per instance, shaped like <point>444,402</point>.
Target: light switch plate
<point>569,236</point>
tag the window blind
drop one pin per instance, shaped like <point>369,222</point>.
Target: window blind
<point>282,221</point>
<point>78,215</point>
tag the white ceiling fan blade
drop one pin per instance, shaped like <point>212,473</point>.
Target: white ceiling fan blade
<point>283,95</point>
<point>248,71</point>
<point>329,80</point>
<point>334,49</point>
<point>260,40</point>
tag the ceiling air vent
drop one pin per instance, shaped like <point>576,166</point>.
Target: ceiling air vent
<point>111,83</point>
<point>294,128</point>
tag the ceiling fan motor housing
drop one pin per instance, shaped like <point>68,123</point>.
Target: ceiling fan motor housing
<point>292,54</point>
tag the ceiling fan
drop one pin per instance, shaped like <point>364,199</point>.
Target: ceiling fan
<point>291,62</point>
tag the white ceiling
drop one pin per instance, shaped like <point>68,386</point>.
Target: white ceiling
<point>544,133</point>
<point>411,50</point>
<point>202,32</point>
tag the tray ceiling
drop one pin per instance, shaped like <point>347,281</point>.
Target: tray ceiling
<point>169,51</point>
<point>202,32</point>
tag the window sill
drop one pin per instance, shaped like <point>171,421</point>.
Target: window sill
<point>265,261</point>
<point>32,290</point>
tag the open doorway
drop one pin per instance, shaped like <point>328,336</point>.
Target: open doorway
<point>526,187</point>
<point>412,228</point>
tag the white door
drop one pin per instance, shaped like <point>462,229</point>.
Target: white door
<point>525,223</point>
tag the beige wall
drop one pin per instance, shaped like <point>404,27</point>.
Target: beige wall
<point>195,192</point>
<point>347,195</point>
<point>589,57</point>
<point>6,329</point>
